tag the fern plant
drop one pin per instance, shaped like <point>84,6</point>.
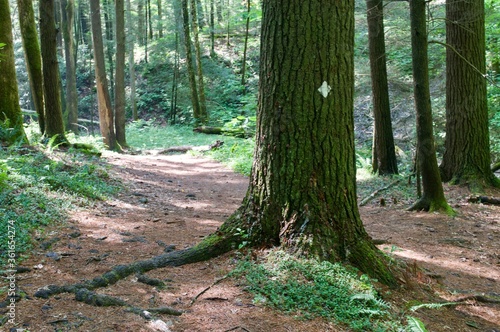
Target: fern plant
<point>415,325</point>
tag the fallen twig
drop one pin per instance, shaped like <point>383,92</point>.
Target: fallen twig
<point>206,289</point>
<point>376,192</point>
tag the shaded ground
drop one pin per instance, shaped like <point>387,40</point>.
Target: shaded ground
<point>174,201</point>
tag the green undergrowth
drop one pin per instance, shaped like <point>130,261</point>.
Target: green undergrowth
<point>38,186</point>
<point>306,288</point>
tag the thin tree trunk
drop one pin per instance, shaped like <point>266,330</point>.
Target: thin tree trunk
<point>120,74</point>
<point>189,60</point>
<point>140,22</point>
<point>199,66</point>
<point>245,46</point>
<point>131,62</point>
<point>54,124</point>
<point>104,101</point>
<point>10,111</point>
<point>384,155</point>
<point>33,57</point>
<point>160,19</point>
<point>108,25</point>
<point>433,195</point>
<point>175,76</point>
<point>212,29</point>
<point>67,10</point>
<point>150,20</point>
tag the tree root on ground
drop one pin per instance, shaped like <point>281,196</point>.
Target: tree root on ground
<point>212,246</point>
<point>99,300</point>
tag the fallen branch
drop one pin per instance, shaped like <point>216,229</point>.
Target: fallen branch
<point>479,298</point>
<point>365,200</point>
<point>206,289</point>
<point>484,200</point>
<point>495,167</point>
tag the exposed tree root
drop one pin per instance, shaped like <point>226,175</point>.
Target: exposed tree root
<point>212,246</point>
<point>495,167</point>
<point>99,300</point>
<point>428,205</point>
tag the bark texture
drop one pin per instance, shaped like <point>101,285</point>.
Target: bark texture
<point>67,10</point>
<point>106,123</point>
<point>384,154</point>
<point>10,111</point>
<point>433,195</point>
<point>467,156</point>
<point>33,57</point>
<point>54,124</point>
<point>302,193</point>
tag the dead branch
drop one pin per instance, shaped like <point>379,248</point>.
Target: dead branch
<point>206,289</point>
<point>479,298</point>
<point>484,200</point>
<point>365,200</point>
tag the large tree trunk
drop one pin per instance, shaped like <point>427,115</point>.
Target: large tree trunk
<point>302,192</point>
<point>131,62</point>
<point>199,66</point>
<point>433,196</point>
<point>189,61</point>
<point>10,111</point>
<point>120,74</point>
<point>467,156</point>
<point>384,155</point>
<point>33,57</point>
<point>104,101</point>
<point>67,10</point>
<point>54,124</point>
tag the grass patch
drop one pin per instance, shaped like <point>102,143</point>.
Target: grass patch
<point>307,289</point>
<point>37,188</point>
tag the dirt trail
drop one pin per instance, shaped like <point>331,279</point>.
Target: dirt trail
<point>171,202</point>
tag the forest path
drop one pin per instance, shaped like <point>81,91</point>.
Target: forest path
<point>172,201</point>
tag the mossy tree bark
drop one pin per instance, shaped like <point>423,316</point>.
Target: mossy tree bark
<point>67,10</point>
<point>33,57</point>
<point>384,155</point>
<point>106,122</point>
<point>120,74</point>
<point>433,195</point>
<point>467,156</point>
<point>302,192</point>
<point>10,111</point>
<point>54,124</point>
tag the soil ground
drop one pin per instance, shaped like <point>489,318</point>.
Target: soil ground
<point>174,201</point>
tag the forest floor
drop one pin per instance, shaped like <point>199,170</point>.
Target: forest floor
<point>176,200</point>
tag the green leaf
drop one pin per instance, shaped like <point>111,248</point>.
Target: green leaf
<point>415,325</point>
